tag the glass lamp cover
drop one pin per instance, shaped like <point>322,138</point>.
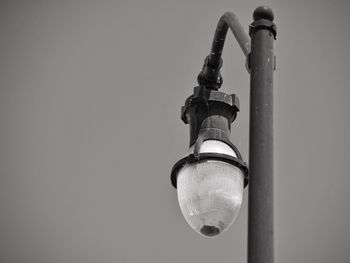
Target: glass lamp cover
<point>210,192</point>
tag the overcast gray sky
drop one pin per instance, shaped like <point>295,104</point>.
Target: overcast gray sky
<point>90,97</point>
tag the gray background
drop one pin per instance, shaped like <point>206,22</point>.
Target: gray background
<point>90,96</point>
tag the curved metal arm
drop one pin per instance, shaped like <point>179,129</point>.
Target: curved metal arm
<point>228,20</point>
<point>210,74</point>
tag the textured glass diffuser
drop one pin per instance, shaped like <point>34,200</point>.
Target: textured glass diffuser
<point>210,192</point>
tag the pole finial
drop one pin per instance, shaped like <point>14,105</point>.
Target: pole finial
<point>263,12</point>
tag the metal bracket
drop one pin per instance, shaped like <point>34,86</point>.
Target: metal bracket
<point>247,63</point>
<point>263,24</point>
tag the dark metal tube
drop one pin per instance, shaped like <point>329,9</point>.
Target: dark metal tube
<point>260,212</point>
<point>210,74</point>
<point>228,20</point>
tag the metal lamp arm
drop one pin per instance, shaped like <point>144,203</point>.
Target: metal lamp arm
<point>228,20</point>
<point>210,74</point>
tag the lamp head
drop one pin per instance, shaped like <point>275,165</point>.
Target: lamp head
<point>211,177</point>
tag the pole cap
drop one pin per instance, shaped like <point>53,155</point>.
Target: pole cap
<point>263,12</point>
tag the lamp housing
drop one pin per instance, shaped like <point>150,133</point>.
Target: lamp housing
<point>211,177</point>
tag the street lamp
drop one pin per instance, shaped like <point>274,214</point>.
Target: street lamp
<point>211,176</point>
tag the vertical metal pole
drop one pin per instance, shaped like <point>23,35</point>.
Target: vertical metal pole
<point>260,212</point>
